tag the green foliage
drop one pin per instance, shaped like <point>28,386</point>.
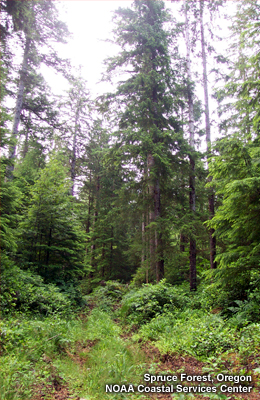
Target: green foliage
<point>192,332</point>
<point>141,305</point>
<point>25,292</point>
<point>10,197</point>
<point>28,348</point>
<point>111,360</point>
<point>52,239</point>
<point>148,139</point>
<point>107,296</point>
<point>100,325</point>
<point>235,173</point>
<point>246,311</point>
<point>235,164</point>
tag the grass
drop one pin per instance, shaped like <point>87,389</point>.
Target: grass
<point>84,354</point>
<point>111,360</point>
<point>29,346</point>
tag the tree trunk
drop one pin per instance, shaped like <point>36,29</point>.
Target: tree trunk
<point>183,241</point>
<point>26,141</point>
<point>213,263</point>
<point>148,257</point>
<point>74,148</point>
<point>48,248</point>
<point>18,107</point>
<point>90,201</point>
<point>93,246</point>
<point>151,190</point>
<point>158,236</point>
<point>193,284</point>
<point>143,255</point>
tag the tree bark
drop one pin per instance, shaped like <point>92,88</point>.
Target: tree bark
<point>74,148</point>
<point>143,255</point>
<point>158,235</point>
<point>183,241</point>
<point>150,166</point>
<point>18,107</point>
<point>26,141</point>
<point>48,248</point>
<point>93,246</point>
<point>213,263</point>
<point>192,193</point>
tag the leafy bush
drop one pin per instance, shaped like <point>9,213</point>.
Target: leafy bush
<point>249,341</point>
<point>151,300</point>
<point>71,289</point>
<point>246,311</point>
<point>192,332</point>
<point>105,297</point>
<point>26,292</point>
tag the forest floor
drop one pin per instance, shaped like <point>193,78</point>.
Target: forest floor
<point>86,354</point>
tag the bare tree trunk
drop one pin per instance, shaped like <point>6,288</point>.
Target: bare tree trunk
<point>156,251</point>
<point>193,284</point>
<point>48,248</point>
<point>26,142</point>
<point>213,263</point>
<point>74,148</point>
<point>148,257</point>
<point>90,200</point>
<point>158,236</point>
<point>183,241</point>
<point>18,106</point>
<point>93,246</point>
<point>143,255</point>
<point>150,166</point>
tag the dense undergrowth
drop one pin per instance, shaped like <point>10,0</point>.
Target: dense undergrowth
<point>85,352</point>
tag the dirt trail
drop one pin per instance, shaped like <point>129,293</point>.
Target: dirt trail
<point>165,363</point>
<point>190,366</point>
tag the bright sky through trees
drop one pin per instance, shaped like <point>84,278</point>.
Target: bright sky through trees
<point>90,23</point>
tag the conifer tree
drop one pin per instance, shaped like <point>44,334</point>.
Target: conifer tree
<point>40,27</point>
<point>235,167</point>
<point>52,240</point>
<point>148,131</point>
<point>208,130</point>
<point>192,197</point>
<point>75,124</point>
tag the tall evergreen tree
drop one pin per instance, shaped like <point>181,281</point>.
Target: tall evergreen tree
<point>149,130</point>
<point>192,194</point>
<point>75,109</point>
<point>52,240</point>
<point>38,23</point>
<point>235,166</point>
<point>208,130</point>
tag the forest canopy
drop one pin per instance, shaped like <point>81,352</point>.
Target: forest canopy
<point>130,186</point>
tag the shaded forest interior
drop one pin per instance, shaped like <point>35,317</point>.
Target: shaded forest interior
<point>110,202</point>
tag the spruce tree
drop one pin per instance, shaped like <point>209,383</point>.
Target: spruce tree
<point>38,27</point>
<point>235,166</point>
<point>75,109</point>
<point>52,240</point>
<point>148,132</point>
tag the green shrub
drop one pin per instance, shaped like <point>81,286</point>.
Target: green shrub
<point>247,311</point>
<point>72,291</point>
<point>107,296</point>
<point>151,300</point>
<point>192,332</point>
<point>249,341</point>
<point>26,292</point>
